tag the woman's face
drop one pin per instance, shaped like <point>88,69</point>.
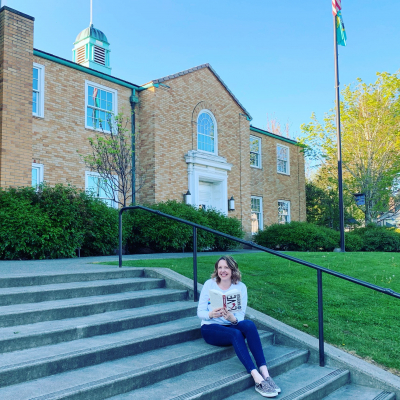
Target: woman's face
<point>224,272</point>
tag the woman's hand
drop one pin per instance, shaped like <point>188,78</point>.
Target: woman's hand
<point>217,312</point>
<point>229,316</point>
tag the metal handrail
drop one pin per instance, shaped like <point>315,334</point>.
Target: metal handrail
<point>319,269</point>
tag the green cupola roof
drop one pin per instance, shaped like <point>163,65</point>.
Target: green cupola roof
<point>92,50</point>
<point>92,32</point>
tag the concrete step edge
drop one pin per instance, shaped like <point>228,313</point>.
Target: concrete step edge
<point>39,368</point>
<point>110,386</point>
<point>11,280</point>
<point>69,290</point>
<point>87,306</point>
<point>82,329</point>
<point>327,384</point>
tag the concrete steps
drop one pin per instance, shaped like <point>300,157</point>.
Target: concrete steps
<point>120,334</point>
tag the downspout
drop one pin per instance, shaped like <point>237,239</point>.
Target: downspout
<point>134,100</point>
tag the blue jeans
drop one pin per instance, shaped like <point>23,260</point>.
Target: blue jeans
<point>226,335</point>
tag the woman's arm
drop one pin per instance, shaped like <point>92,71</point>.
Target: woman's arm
<point>202,308</point>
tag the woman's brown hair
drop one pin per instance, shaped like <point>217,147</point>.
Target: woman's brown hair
<point>232,264</point>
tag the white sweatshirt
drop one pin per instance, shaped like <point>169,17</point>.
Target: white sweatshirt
<point>204,306</point>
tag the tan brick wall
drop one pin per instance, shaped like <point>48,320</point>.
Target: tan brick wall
<point>273,186</point>
<point>61,133</point>
<point>168,130</point>
<point>16,57</point>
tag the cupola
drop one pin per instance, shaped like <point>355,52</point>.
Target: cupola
<point>91,49</point>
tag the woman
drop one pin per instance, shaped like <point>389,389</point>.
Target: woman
<point>220,327</point>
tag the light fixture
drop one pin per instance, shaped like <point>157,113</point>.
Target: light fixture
<point>188,197</point>
<point>231,204</point>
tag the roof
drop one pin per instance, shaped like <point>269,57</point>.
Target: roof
<point>82,68</point>
<point>202,66</point>
<point>92,32</point>
<point>274,135</point>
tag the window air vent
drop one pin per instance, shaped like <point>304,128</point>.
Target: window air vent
<point>99,55</point>
<point>80,55</point>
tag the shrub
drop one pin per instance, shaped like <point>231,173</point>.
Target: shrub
<point>156,233</point>
<point>353,242</point>
<point>298,236</point>
<point>378,238</point>
<point>53,222</point>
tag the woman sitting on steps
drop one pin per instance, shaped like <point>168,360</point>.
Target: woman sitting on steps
<point>220,327</point>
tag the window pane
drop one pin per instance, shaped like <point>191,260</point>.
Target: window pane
<point>35,82</point>
<point>34,102</point>
<point>35,176</point>
<point>205,133</point>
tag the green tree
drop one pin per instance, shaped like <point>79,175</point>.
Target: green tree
<point>322,204</point>
<point>111,158</point>
<point>370,121</point>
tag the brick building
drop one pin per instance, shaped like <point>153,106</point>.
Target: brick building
<point>191,131</point>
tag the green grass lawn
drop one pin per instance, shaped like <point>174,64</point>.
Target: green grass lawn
<point>356,319</point>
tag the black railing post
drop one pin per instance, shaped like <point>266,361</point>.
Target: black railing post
<point>320,320</point>
<point>120,237</point>
<point>195,263</point>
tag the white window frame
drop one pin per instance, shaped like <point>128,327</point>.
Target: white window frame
<point>40,168</point>
<point>287,161</point>
<point>288,216</point>
<point>114,110</point>
<point>205,111</point>
<point>258,139</point>
<point>261,221</point>
<point>92,173</point>
<point>40,90</point>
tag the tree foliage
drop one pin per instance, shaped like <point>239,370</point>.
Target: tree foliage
<point>111,157</point>
<point>370,122</point>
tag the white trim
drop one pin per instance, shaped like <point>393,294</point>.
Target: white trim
<point>93,173</point>
<point>206,111</point>
<point>108,89</point>
<point>287,202</point>
<point>259,166</point>
<point>41,76</point>
<point>288,160</point>
<point>207,167</point>
<point>40,168</point>
<point>261,223</point>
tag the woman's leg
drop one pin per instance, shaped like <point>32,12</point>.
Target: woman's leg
<point>219,335</point>
<point>249,330</point>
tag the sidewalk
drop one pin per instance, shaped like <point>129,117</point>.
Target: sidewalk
<point>86,263</point>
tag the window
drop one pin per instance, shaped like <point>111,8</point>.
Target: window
<point>38,90</point>
<point>255,152</point>
<point>207,132</point>
<point>37,174</point>
<point>101,104</point>
<point>283,212</point>
<point>282,153</point>
<point>97,186</point>
<point>256,214</point>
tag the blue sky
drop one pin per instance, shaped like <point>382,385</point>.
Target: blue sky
<point>275,56</point>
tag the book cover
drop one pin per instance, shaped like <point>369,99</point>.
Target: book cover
<point>230,300</point>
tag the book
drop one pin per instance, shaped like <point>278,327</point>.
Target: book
<point>230,300</point>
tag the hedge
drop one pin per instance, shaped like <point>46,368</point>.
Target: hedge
<point>149,232</point>
<point>304,236</point>
<point>53,222</point>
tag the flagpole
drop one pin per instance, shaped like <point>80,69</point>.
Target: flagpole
<point>339,141</point>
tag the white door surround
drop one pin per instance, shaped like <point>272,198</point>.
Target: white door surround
<point>212,172</point>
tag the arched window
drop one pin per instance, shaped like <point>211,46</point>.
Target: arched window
<point>207,132</point>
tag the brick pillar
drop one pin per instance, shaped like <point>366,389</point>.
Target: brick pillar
<point>16,60</point>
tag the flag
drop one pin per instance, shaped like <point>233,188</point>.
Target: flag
<point>341,36</point>
<point>336,6</point>
<point>340,31</point>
